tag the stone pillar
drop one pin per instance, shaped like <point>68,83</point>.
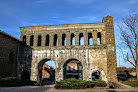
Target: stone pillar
<point>94,35</point>
<point>59,39</point>
<point>58,74</point>
<point>21,37</point>
<point>28,40</point>
<point>35,40</point>
<point>76,39</point>
<point>103,37</point>
<point>85,38</point>
<point>43,39</point>
<point>68,37</point>
<point>51,39</point>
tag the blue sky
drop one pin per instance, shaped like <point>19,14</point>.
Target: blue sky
<point>20,13</point>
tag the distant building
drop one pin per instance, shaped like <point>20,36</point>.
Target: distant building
<point>48,72</point>
<point>74,70</point>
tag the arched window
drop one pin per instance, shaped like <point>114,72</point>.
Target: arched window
<point>55,40</point>
<point>90,40</point>
<point>39,40</point>
<point>11,57</point>
<point>99,38</point>
<point>72,39</point>
<point>81,39</point>
<point>47,40</point>
<point>31,40</point>
<point>24,40</point>
<point>64,39</point>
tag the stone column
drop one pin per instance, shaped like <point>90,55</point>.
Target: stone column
<point>76,39</point>
<point>21,37</point>
<point>43,39</point>
<point>35,39</point>
<point>28,40</point>
<point>85,38</point>
<point>68,37</point>
<point>59,39</point>
<point>103,37</point>
<point>51,39</point>
<point>94,35</point>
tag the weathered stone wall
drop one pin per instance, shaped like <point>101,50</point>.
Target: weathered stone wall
<point>93,57</point>
<point>8,55</point>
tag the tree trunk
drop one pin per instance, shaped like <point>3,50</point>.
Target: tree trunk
<point>137,71</point>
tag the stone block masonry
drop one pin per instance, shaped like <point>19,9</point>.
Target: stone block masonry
<point>100,56</point>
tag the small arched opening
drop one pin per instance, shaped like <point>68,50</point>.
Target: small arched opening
<point>46,72</point>
<point>72,39</point>
<point>39,40</point>
<point>72,68</point>
<point>90,40</point>
<point>55,40</point>
<point>81,39</point>
<point>25,75</point>
<point>99,38</point>
<point>31,40</point>
<point>47,40</point>
<point>63,39</point>
<point>96,75</point>
<point>24,40</point>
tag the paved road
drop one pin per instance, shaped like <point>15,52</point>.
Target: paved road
<point>51,89</point>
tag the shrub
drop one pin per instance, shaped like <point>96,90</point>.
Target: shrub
<point>13,81</point>
<point>73,83</point>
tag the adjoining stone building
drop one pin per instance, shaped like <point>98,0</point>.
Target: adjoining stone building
<point>8,55</point>
<point>55,42</point>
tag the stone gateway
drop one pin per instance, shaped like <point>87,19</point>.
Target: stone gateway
<point>92,44</point>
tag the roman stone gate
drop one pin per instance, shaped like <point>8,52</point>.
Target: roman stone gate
<point>93,44</point>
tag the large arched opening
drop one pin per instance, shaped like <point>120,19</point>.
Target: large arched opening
<point>72,68</point>
<point>46,72</point>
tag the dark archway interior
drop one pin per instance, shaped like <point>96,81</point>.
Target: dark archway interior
<point>55,40</point>
<point>89,37</point>
<point>63,39</point>
<point>72,69</point>
<point>47,40</point>
<point>96,76</point>
<point>31,40</point>
<point>25,75</point>
<point>39,40</point>
<point>72,36</point>
<point>80,39</point>
<point>99,38</point>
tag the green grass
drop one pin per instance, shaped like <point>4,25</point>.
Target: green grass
<point>131,83</point>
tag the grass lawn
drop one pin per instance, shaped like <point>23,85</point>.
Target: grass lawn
<point>131,83</point>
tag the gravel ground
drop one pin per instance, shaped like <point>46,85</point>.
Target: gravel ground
<point>51,89</point>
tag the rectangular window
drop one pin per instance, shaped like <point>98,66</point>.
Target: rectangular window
<point>75,67</point>
<point>71,67</point>
<point>80,67</point>
<point>67,67</point>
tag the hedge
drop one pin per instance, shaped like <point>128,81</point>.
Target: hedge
<point>13,81</point>
<point>73,83</point>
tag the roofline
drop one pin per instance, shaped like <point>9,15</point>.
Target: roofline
<point>6,34</point>
<point>62,24</point>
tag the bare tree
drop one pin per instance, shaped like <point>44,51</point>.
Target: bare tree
<point>129,35</point>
